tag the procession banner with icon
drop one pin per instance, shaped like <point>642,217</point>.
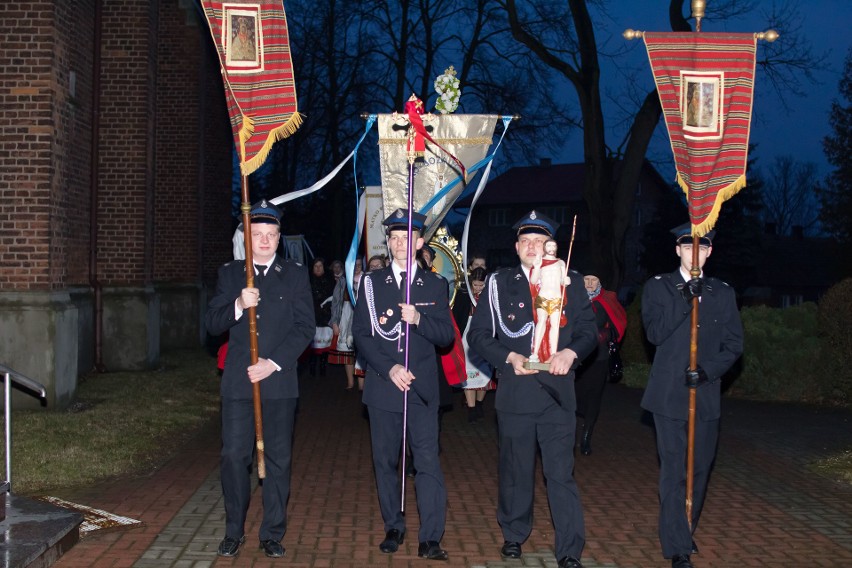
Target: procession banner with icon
<point>706,84</point>
<point>253,44</point>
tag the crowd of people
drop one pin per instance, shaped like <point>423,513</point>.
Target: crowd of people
<point>540,335</point>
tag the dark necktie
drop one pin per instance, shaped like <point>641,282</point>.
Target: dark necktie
<point>402,276</point>
<point>261,271</point>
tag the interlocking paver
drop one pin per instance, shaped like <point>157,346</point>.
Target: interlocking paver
<point>764,507</point>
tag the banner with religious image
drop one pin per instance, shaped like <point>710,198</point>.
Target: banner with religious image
<point>374,232</point>
<point>706,85</point>
<point>466,137</point>
<point>253,44</point>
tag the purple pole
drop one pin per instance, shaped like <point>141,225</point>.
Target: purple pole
<point>408,266</point>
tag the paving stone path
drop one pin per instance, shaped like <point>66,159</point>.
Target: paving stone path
<point>764,507</point>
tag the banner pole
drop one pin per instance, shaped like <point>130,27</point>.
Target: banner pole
<point>245,208</point>
<point>408,268</point>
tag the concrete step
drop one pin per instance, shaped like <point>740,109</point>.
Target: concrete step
<point>35,534</point>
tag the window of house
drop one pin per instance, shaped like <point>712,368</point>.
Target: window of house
<point>558,214</point>
<point>497,217</point>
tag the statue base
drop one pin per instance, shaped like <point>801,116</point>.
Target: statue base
<point>536,366</point>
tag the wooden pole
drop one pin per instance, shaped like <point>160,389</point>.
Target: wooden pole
<point>694,272</point>
<point>245,208</point>
<point>563,321</point>
<point>698,7</point>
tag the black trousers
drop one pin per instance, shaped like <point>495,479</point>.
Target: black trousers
<point>238,443</point>
<point>553,431</point>
<point>589,388</point>
<point>422,438</point>
<point>675,533</point>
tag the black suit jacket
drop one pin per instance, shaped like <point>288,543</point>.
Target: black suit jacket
<point>667,318</point>
<point>285,326</point>
<point>503,323</point>
<point>377,314</point>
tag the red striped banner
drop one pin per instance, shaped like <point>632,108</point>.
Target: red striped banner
<point>254,52</point>
<point>706,84</point>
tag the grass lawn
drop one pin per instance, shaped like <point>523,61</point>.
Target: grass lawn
<point>120,423</point>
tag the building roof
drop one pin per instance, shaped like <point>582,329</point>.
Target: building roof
<point>543,183</point>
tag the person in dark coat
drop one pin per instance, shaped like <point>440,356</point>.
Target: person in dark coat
<point>667,315</point>
<point>611,319</point>
<point>285,326</point>
<point>534,408</point>
<point>322,291</point>
<point>387,344</point>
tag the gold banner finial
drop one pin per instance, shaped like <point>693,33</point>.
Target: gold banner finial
<point>698,7</point>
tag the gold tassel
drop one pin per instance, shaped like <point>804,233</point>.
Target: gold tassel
<point>721,196</point>
<point>275,135</point>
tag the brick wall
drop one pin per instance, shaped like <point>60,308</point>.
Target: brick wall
<point>177,192</point>
<point>193,151</point>
<point>46,82</point>
<point>26,135</point>
<point>123,146</point>
<point>71,154</point>
<point>217,223</point>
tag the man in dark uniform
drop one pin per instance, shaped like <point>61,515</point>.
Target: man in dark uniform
<point>667,315</point>
<point>379,329</point>
<point>285,327</point>
<point>534,407</point>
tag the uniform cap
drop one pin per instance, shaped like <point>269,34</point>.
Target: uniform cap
<point>535,222</point>
<point>683,233</point>
<point>398,221</point>
<point>266,212</point>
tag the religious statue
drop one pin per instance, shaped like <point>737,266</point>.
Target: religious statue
<point>549,277</point>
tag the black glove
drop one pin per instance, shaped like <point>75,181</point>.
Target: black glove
<point>692,288</point>
<point>696,377</point>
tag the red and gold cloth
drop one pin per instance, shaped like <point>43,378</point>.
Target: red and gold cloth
<point>706,85</point>
<point>253,44</point>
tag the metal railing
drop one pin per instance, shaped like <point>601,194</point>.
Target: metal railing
<point>11,375</point>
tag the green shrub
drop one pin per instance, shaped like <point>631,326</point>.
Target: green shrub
<point>636,375</point>
<point>802,353</point>
<point>780,359</point>
<point>835,328</point>
<point>634,347</point>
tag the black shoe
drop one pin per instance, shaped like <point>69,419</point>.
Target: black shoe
<point>480,410</point>
<point>393,539</point>
<point>471,414</point>
<point>681,561</point>
<point>694,548</point>
<point>230,546</point>
<point>431,550</point>
<point>569,562</point>
<point>272,548</point>
<point>510,550</point>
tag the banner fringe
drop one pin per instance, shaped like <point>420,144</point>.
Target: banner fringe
<point>275,135</point>
<point>723,195</point>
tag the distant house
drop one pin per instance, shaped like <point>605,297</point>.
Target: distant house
<point>556,190</point>
<point>794,269</point>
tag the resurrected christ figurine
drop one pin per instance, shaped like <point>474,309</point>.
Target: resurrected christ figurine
<point>549,277</point>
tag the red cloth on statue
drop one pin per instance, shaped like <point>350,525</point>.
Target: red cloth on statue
<point>544,350</point>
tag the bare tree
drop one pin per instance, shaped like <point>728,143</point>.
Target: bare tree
<point>836,192</point>
<point>789,198</point>
<point>562,35</point>
<point>370,56</point>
